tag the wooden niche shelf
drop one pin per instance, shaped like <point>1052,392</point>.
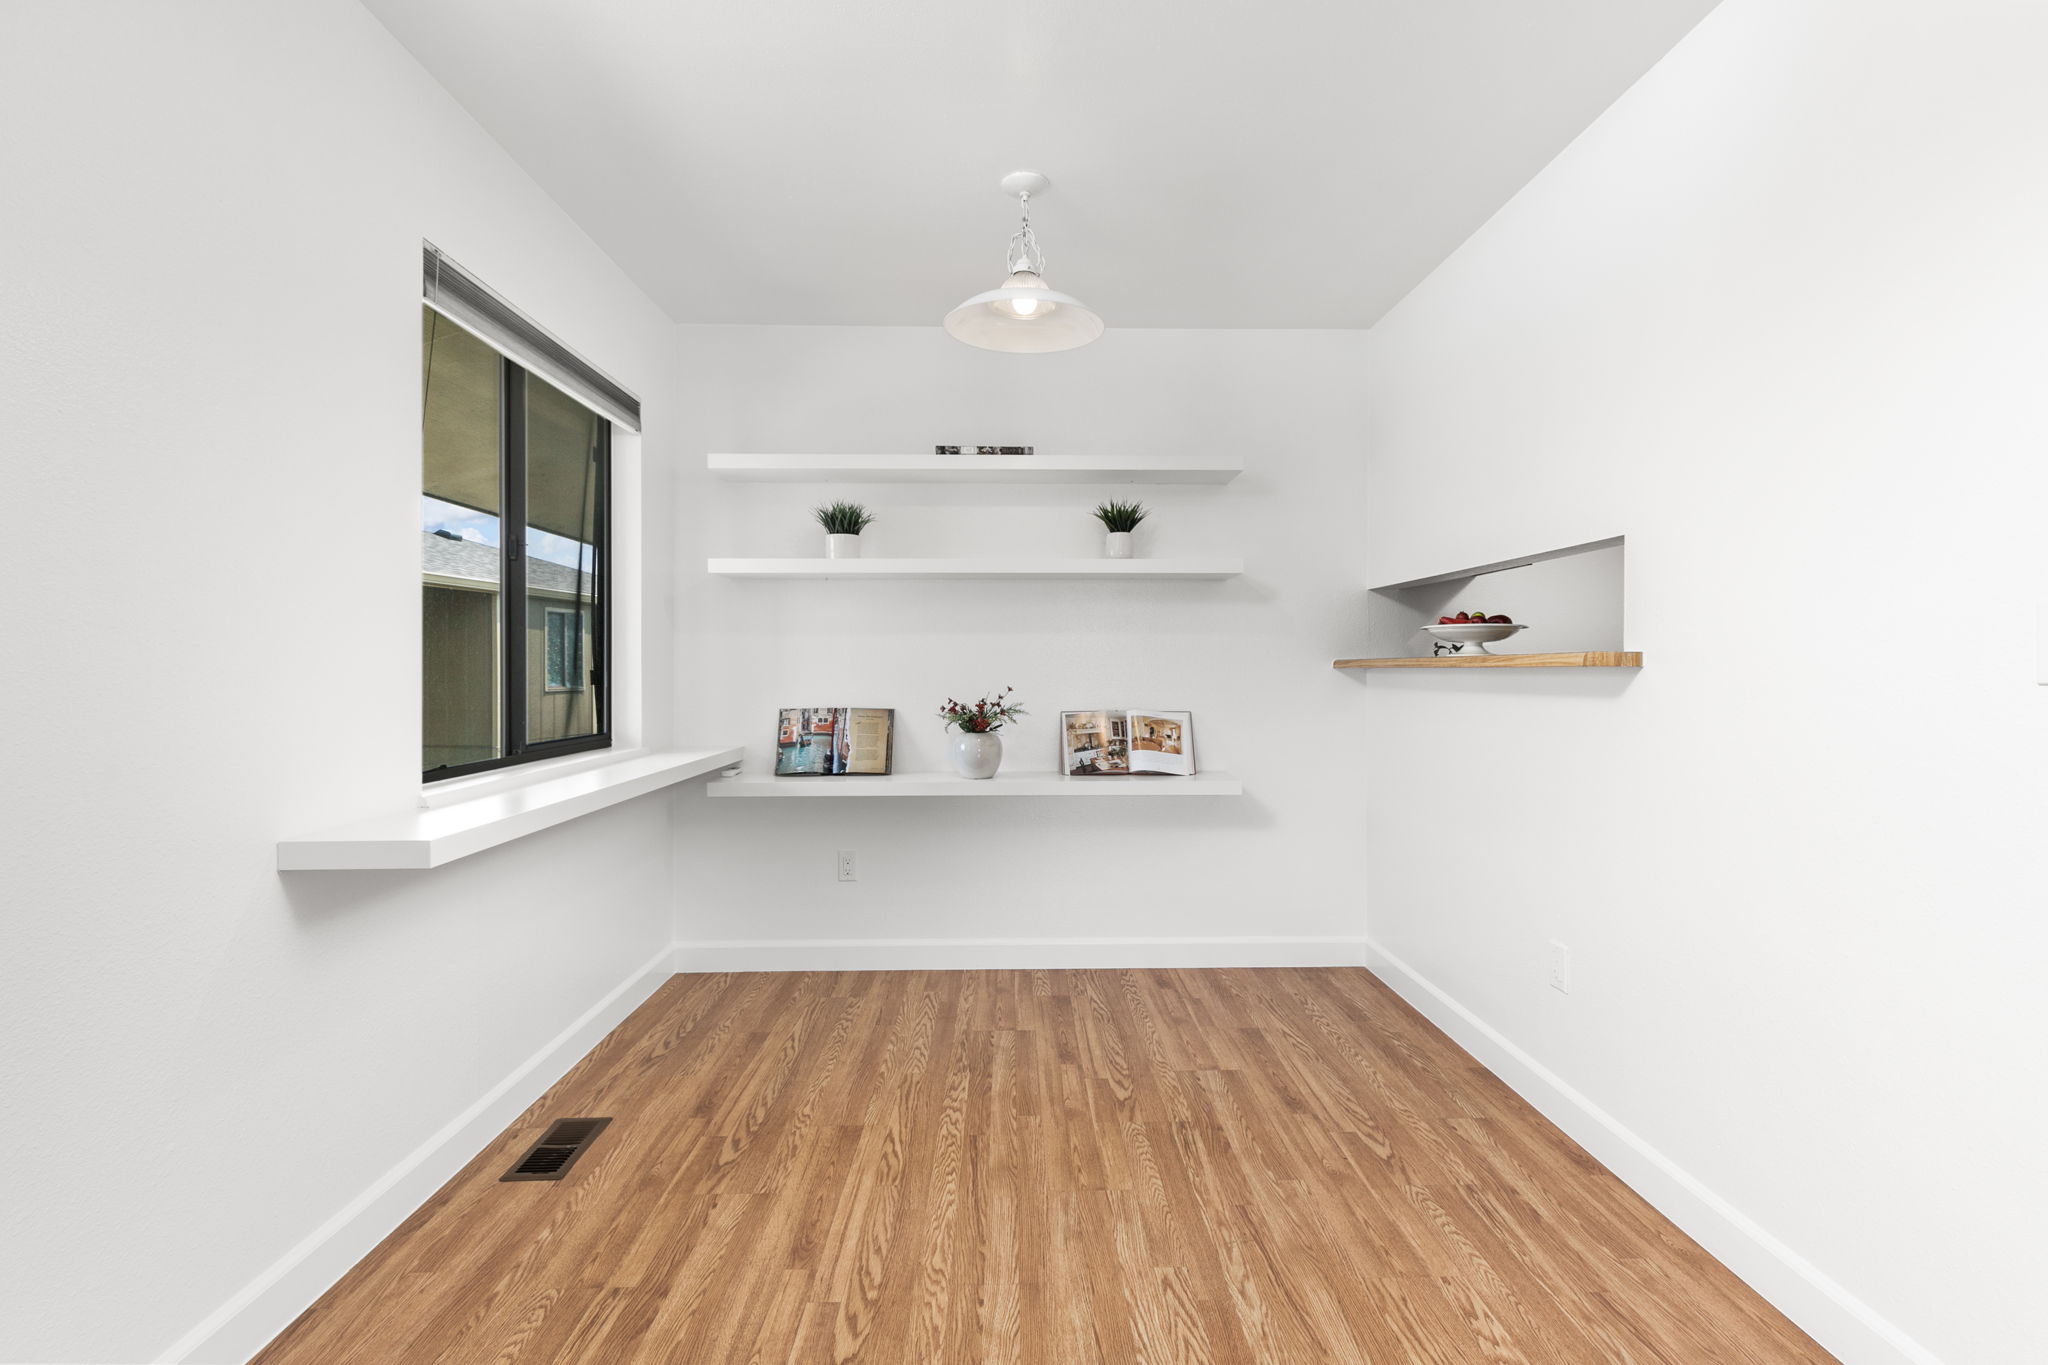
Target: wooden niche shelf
<point>1571,596</point>
<point>1582,659</point>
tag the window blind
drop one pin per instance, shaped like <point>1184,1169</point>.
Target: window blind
<point>464,299</point>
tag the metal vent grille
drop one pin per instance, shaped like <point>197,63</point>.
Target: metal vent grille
<point>557,1150</point>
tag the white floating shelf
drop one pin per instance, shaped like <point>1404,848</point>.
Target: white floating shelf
<point>1002,784</point>
<point>1214,566</point>
<point>975,468</point>
<point>429,838</point>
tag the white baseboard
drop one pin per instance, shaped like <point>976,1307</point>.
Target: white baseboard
<point>267,1304</point>
<point>973,954</point>
<point>1856,1333</point>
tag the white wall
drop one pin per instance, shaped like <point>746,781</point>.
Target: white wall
<point>1776,317</point>
<point>211,436</point>
<point>1249,657</point>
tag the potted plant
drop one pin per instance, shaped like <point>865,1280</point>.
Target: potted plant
<point>977,749</point>
<point>843,523</point>
<point>1118,520</point>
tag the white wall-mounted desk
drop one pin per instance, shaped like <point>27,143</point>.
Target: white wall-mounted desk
<point>428,838</point>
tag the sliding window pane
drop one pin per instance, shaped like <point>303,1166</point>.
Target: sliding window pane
<point>460,547</point>
<point>565,467</point>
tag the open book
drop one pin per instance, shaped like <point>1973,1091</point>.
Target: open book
<point>829,741</point>
<point>1108,743</point>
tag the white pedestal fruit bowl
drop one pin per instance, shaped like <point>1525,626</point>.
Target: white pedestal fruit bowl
<point>1472,637</point>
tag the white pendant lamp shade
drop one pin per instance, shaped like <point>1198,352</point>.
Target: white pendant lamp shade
<point>1023,314</point>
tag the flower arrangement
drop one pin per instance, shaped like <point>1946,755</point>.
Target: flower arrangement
<point>843,518</point>
<point>986,715</point>
<point>1120,516</point>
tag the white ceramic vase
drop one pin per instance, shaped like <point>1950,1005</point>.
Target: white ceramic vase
<point>976,756</point>
<point>1117,544</point>
<point>842,547</point>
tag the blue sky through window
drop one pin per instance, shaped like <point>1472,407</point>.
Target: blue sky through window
<point>482,527</point>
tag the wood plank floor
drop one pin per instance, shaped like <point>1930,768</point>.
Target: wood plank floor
<point>1009,1168</point>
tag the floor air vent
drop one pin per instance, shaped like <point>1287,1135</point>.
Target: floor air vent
<point>557,1150</point>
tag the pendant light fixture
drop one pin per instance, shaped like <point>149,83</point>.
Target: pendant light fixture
<point>1024,314</point>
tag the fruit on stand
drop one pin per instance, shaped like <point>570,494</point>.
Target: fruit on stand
<point>1474,618</point>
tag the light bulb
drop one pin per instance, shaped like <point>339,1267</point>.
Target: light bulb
<point>1025,309</point>
<point>1023,314</point>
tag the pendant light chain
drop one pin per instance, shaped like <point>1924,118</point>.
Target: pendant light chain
<point>1024,250</point>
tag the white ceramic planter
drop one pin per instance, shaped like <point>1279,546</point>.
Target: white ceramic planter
<point>842,547</point>
<point>1117,544</point>
<point>976,756</point>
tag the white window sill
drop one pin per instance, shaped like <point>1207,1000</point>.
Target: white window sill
<point>431,837</point>
<point>455,790</point>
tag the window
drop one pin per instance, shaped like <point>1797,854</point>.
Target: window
<point>566,647</point>
<point>515,553</point>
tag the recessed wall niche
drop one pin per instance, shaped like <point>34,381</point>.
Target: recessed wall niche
<point>1571,600</point>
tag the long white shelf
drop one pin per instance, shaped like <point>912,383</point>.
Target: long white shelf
<point>1020,566</point>
<point>1002,784</point>
<point>429,838</point>
<point>975,468</point>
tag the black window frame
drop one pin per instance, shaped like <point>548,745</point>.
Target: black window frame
<point>513,744</point>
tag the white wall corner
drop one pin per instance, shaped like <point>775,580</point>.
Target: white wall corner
<point>268,1304</point>
<point>1829,1313</point>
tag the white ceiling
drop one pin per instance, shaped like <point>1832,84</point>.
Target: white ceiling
<point>1215,163</point>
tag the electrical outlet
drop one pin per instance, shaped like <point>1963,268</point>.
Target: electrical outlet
<point>846,873</point>
<point>1560,968</point>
